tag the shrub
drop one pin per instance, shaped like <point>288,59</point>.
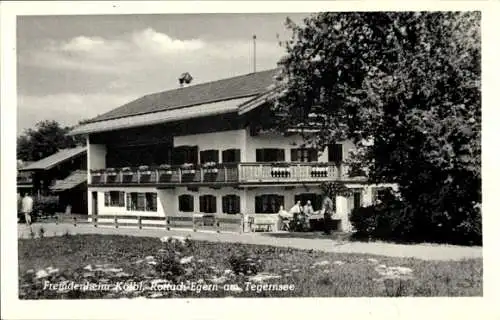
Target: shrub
<point>46,206</point>
<point>394,220</point>
<point>245,264</point>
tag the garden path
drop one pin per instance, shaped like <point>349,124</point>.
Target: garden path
<point>419,251</point>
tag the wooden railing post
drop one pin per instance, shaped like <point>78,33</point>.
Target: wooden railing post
<point>201,174</point>
<point>139,221</point>
<point>194,223</point>
<point>157,175</point>
<point>116,222</point>
<point>225,174</point>
<point>138,176</point>
<point>217,224</point>
<point>180,174</point>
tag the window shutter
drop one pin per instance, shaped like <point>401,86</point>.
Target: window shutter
<point>259,155</point>
<point>258,204</point>
<point>202,203</point>
<point>236,204</point>
<point>129,201</point>
<point>224,204</point>
<point>121,199</point>
<point>313,155</point>
<point>280,155</point>
<point>153,205</point>
<point>213,204</point>
<point>107,197</point>
<point>141,201</point>
<point>293,155</point>
<point>237,155</point>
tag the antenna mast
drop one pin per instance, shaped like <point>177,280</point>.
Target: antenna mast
<point>254,53</point>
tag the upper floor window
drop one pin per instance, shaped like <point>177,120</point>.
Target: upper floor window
<point>231,155</point>
<point>208,203</point>
<point>186,203</point>
<point>209,156</point>
<point>114,199</point>
<point>185,154</point>
<point>304,155</point>
<point>140,201</point>
<point>268,203</point>
<point>231,204</point>
<point>269,155</point>
<point>335,153</point>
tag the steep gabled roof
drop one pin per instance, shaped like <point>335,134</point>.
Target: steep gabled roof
<point>53,160</point>
<point>226,89</point>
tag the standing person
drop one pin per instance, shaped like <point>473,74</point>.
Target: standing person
<point>27,208</point>
<point>327,210</point>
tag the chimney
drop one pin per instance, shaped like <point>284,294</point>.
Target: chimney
<point>185,78</point>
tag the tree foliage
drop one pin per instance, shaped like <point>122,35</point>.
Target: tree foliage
<point>405,87</point>
<point>45,139</point>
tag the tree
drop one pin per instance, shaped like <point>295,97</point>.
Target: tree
<point>47,138</point>
<point>405,87</point>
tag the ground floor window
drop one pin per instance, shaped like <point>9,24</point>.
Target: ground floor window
<point>268,203</point>
<point>114,199</point>
<point>142,201</point>
<point>356,199</point>
<point>316,200</point>
<point>381,194</point>
<point>208,203</point>
<point>186,203</point>
<point>231,204</point>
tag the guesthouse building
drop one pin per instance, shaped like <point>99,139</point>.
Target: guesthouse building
<point>200,150</point>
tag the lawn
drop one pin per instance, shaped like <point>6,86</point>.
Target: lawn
<point>111,266</point>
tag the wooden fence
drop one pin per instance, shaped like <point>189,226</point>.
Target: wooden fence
<point>195,223</point>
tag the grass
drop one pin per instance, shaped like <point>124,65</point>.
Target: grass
<point>313,273</point>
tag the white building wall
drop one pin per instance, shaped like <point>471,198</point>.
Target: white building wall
<point>232,139</point>
<point>103,210</point>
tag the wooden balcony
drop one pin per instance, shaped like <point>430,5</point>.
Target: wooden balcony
<point>244,173</point>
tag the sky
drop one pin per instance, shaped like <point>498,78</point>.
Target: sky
<point>71,68</point>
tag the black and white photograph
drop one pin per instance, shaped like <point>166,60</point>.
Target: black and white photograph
<point>302,154</point>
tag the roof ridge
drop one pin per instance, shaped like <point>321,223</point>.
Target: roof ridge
<point>209,82</point>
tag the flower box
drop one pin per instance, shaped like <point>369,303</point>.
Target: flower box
<point>126,171</point>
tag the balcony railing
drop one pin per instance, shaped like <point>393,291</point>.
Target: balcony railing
<point>223,173</point>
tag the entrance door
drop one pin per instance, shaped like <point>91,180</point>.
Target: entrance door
<point>94,203</point>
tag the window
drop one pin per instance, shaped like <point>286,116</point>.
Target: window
<point>151,202</point>
<point>270,155</point>
<point>185,154</point>
<point>208,203</point>
<point>304,155</point>
<point>186,203</point>
<point>231,204</point>
<point>335,153</point>
<point>139,201</point>
<point>356,199</point>
<point>316,200</point>
<point>209,156</point>
<point>382,194</point>
<point>268,203</point>
<point>114,199</point>
<point>231,155</point>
